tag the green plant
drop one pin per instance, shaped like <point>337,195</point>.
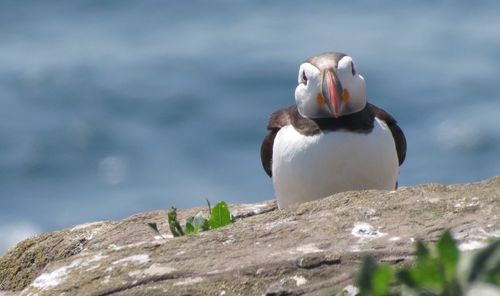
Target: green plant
<point>219,216</point>
<point>374,279</point>
<point>175,226</point>
<point>434,272</point>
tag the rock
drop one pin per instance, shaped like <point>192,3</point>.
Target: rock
<point>312,249</point>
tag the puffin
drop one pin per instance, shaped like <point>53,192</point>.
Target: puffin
<point>332,140</point>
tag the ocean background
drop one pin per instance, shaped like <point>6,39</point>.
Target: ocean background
<point>109,108</point>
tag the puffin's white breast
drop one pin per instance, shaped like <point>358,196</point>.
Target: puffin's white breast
<point>311,167</point>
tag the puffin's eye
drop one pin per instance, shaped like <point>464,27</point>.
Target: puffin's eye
<point>304,77</point>
<point>352,69</point>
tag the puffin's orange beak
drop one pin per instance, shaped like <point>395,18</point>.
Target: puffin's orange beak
<point>331,90</point>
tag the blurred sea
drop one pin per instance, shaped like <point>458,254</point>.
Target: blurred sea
<point>109,108</point>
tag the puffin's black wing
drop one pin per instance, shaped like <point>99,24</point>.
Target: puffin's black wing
<point>277,120</point>
<point>397,133</point>
<point>361,122</point>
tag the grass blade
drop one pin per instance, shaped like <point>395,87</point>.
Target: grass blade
<point>154,227</point>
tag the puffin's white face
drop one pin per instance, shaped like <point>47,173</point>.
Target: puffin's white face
<point>329,88</point>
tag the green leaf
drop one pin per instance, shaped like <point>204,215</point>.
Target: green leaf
<point>448,255</point>
<point>427,276</point>
<point>154,227</point>
<point>381,280</point>
<point>364,279</point>
<point>220,215</point>
<point>486,264</point>
<point>423,252</point>
<point>424,275</point>
<point>190,229</point>
<point>196,224</point>
<point>190,219</point>
<point>200,222</point>
<point>493,278</point>
<point>404,276</point>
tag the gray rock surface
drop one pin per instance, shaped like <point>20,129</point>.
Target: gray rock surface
<point>312,249</point>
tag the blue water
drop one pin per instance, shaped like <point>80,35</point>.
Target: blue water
<point>109,108</point>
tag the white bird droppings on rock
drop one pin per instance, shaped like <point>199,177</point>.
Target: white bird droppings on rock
<point>137,259</point>
<point>97,257</point>
<point>229,240</point>
<point>365,230</point>
<point>189,281</point>
<point>271,225</point>
<point>432,200</point>
<point>258,208</point>
<point>350,290</point>
<point>90,230</point>
<point>299,280</point>
<point>114,247</point>
<point>395,238</point>
<point>86,225</point>
<point>370,212</point>
<point>93,267</point>
<point>158,269</point>
<point>54,278</point>
<point>134,245</point>
<point>135,273</point>
<point>308,249</point>
<point>355,248</point>
<point>471,245</point>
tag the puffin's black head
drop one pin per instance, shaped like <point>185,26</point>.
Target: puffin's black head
<point>329,86</point>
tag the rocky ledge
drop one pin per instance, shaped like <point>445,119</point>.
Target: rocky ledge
<point>311,249</point>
